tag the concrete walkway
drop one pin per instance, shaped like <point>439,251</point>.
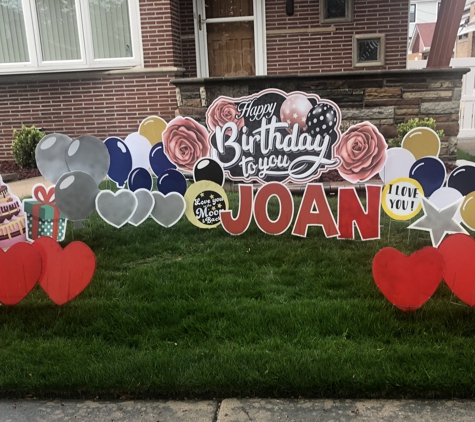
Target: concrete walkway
<point>22,188</point>
<point>237,410</point>
<point>467,145</point>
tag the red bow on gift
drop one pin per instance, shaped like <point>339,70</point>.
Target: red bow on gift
<point>44,197</point>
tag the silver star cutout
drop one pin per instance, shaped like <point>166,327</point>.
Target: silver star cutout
<point>438,222</point>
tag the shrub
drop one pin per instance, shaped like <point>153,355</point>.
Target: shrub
<point>404,128</point>
<point>24,146</point>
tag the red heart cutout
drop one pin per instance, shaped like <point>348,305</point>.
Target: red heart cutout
<point>408,281</point>
<point>459,255</point>
<point>66,272</point>
<point>20,270</point>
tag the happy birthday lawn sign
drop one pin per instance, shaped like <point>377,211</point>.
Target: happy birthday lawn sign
<point>274,138</point>
<point>268,139</point>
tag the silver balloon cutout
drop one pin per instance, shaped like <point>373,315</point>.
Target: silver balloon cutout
<point>88,154</point>
<point>168,209</point>
<point>50,156</point>
<point>145,203</point>
<point>116,208</point>
<point>75,195</point>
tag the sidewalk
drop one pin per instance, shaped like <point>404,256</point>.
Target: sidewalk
<point>238,410</point>
<point>467,145</point>
<point>22,188</point>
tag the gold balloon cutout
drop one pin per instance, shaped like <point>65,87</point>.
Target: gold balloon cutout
<point>467,210</point>
<point>152,128</point>
<point>422,142</point>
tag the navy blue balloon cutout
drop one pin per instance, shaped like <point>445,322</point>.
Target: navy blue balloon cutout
<point>171,181</point>
<point>120,160</point>
<point>158,160</point>
<point>430,173</point>
<point>140,178</point>
<point>462,179</point>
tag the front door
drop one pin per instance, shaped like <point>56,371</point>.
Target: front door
<point>229,37</point>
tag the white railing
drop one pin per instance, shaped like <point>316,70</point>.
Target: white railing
<point>467,102</point>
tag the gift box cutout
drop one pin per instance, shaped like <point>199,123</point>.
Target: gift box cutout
<point>43,216</point>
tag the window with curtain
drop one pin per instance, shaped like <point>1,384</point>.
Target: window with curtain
<point>47,35</point>
<point>13,43</point>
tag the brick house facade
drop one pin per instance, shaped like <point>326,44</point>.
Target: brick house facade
<point>107,102</point>
<point>301,44</point>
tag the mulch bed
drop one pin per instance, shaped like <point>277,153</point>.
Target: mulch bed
<point>9,166</point>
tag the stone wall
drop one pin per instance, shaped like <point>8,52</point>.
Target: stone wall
<point>385,98</point>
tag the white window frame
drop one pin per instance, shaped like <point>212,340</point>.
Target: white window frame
<point>201,43</point>
<point>87,60</point>
<point>413,5</point>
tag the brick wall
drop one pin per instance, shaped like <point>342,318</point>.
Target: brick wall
<point>160,25</point>
<point>104,103</point>
<point>188,38</point>
<point>463,48</point>
<point>312,52</point>
<point>385,98</point>
<point>331,50</point>
<point>101,107</point>
<point>98,103</point>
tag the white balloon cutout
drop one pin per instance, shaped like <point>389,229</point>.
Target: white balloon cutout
<point>398,164</point>
<point>443,197</point>
<point>139,148</point>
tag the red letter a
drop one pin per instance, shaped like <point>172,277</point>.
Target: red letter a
<point>314,196</point>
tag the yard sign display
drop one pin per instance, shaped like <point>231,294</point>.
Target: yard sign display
<point>273,136</point>
<point>264,141</point>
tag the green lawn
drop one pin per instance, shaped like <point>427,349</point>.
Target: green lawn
<point>184,312</point>
<point>462,155</point>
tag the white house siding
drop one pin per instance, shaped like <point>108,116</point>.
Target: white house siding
<point>426,11</point>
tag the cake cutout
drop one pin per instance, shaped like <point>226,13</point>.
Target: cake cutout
<point>12,218</point>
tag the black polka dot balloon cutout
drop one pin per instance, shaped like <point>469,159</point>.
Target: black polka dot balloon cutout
<point>322,120</point>
<point>208,169</point>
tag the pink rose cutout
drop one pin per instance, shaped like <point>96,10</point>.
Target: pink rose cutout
<point>185,141</point>
<point>362,151</point>
<point>221,112</point>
